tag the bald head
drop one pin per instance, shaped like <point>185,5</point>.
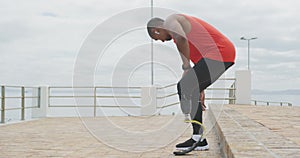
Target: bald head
<point>153,24</point>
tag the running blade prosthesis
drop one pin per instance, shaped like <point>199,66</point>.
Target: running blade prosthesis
<point>185,151</point>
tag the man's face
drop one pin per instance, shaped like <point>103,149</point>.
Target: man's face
<point>161,34</point>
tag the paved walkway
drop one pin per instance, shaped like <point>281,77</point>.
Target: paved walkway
<point>111,137</point>
<point>233,130</point>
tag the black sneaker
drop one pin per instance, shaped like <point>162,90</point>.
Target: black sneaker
<point>200,146</point>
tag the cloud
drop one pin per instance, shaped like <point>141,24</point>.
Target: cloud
<point>40,39</point>
<point>13,30</point>
<point>49,14</point>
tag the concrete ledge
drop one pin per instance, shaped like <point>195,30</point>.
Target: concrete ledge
<point>241,136</point>
<point>213,114</point>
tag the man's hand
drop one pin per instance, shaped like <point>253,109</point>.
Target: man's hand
<point>203,107</point>
<point>202,100</point>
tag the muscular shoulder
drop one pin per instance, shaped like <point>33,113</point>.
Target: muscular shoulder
<point>179,19</point>
<point>174,17</point>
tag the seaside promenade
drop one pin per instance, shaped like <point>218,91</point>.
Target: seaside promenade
<point>239,131</point>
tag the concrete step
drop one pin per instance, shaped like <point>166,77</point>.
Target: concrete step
<point>243,136</point>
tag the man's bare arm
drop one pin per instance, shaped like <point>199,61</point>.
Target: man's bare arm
<point>177,32</point>
<point>183,48</point>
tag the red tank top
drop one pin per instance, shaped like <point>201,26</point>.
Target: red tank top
<point>207,42</point>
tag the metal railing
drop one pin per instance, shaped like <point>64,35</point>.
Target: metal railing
<point>231,98</point>
<point>269,103</point>
<point>22,98</point>
<point>167,96</point>
<point>94,97</point>
<point>231,91</point>
<point>92,94</point>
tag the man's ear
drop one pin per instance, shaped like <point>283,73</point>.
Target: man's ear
<point>155,31</point>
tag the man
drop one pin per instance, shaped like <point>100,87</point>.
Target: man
<point>212,54</point>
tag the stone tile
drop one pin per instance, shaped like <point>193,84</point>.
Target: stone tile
<point>68,137</point>
<point>236,130</point>
<point>253,131</point>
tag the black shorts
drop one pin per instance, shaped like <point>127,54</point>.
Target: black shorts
<point>202,75</point>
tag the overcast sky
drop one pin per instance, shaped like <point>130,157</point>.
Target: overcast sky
<point>40,40</point>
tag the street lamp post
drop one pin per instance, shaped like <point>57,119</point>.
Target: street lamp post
<point>248,39</point>
<point>152,66</point>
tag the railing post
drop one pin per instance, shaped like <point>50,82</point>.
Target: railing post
<point>95,101</point>
<point>243,87</point>
<point>22,103</point>
<point>148,100</point>
<point>232,94</point>
<point>39,97</point>
<point>42,111</point>
<point>2,104</point>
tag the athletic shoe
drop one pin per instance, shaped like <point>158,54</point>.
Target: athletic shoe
<point>200,145</point>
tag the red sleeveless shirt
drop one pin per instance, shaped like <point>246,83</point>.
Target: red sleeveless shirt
<point>207,42</point>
